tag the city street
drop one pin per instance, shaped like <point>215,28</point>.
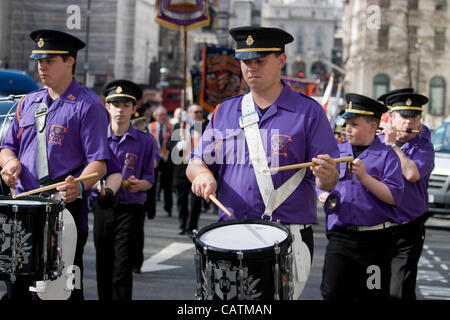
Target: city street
<point>169,270</point>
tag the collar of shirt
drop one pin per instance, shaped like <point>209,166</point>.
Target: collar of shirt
<point>69,96</point>
<point>131,132</point>
<point>286,100</point>
<point>374,148</point>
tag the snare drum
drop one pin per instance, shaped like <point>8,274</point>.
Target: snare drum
<point>30,233</point>
<point>243,260</point>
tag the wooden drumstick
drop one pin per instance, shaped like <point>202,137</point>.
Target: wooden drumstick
<point>55,185</point>
<point>221,206</point>
<point>306,165</point>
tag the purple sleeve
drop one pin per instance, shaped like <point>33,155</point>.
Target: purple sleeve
<point>320,136</point>
<point>148,171</point>
<point>93,133</point>
<point>393,177</point>
<point>423,157</point>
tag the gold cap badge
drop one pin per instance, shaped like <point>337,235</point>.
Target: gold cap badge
<point>40,43</point>
<point>408,102</point>
<point>119,89</point>
<point>350,105</point>
<point>249,41</point>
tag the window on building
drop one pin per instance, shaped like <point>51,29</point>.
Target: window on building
<point>437,96</point>
<point>299,40</point>
<point>412,37</point>
<point>413,4</point>
<point>381,85</point>
<point>441,5</point>
<point>385,3</point>
<point>383,37</point>
<point>439,39</point>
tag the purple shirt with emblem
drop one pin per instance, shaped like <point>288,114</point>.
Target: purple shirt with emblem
<point>294,130</point>
<point>76,128</point>
<point>358,206</point>
<point>415,199</point>
<point>135,151</point>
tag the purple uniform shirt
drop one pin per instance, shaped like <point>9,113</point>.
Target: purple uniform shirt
<point>358,206</point>
<point>415,199</point>
<point>76,135</point>
<point>294,130</point>
<point>135,151</point>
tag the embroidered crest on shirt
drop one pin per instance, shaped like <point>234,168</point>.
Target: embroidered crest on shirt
<point>57,133</point>
<point>279,144</point>
<point>130,160</point>
<point>71,97</point>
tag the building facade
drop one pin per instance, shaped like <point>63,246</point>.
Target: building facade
<point>313,24</point>
<point>391,44</point>
<point>123,36</point>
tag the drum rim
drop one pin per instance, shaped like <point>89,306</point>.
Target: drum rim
<point>211,226</point>
<point>34,198</point>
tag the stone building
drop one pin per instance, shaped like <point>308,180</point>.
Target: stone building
<point>390,44</point>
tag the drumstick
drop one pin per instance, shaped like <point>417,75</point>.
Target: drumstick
<point>55,185</point>
<point>221,206</point>
<point>306,165</point>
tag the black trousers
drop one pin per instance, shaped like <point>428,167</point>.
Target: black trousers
<point>189,206</point>
<point>113,240</point>
<point>137,253</point>
<point>165,169</point>
<point>19,290</point>
<point>408,242</point>
<point>357,265</point>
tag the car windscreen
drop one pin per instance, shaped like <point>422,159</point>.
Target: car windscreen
<point>441,138</point>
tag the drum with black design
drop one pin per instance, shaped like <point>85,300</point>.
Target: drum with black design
<point>243,260</point>
<point>30,235</point>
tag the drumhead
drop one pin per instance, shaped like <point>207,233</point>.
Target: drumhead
<point>244,236</point>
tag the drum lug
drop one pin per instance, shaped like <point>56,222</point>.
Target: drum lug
<point>276,271</point>
<point>198,273</point>
<point>240,256</point>
<point>15,208</point>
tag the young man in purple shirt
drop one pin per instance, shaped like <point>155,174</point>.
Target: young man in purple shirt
<point>73,140</point>
<point>357,258</point>
<point>412,142</point>
<point>135,151</point>
<point>289,128</point>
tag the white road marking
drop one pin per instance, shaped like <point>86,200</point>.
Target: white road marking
<point>154,262</point>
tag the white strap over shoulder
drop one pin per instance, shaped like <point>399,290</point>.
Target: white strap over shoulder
<point>272,198</point>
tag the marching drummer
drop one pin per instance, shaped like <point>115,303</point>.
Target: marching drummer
<point>357,258</point>
<point>135,151</point>
<point>416,154</point>
<point>271,126</point>
<point>71,140</point>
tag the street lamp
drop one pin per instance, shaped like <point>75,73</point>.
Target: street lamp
<point>418,46</point>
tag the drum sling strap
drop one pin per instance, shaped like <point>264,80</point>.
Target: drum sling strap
<point>272,198</point>
<point>41,136</point>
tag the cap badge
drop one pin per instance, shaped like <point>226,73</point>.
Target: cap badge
<point>40,43</point>
<point>249,41</point>
<point>408,102</point>
<point>119,89</point>
<point>350,105</point>
<point>136,114</point>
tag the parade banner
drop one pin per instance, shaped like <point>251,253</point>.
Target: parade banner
<point>221,76</point>
<point>177,14</point>
<point>304,86</point>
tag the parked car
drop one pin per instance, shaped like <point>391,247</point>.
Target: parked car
<point>439,183</point>
<point>15,82</point>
